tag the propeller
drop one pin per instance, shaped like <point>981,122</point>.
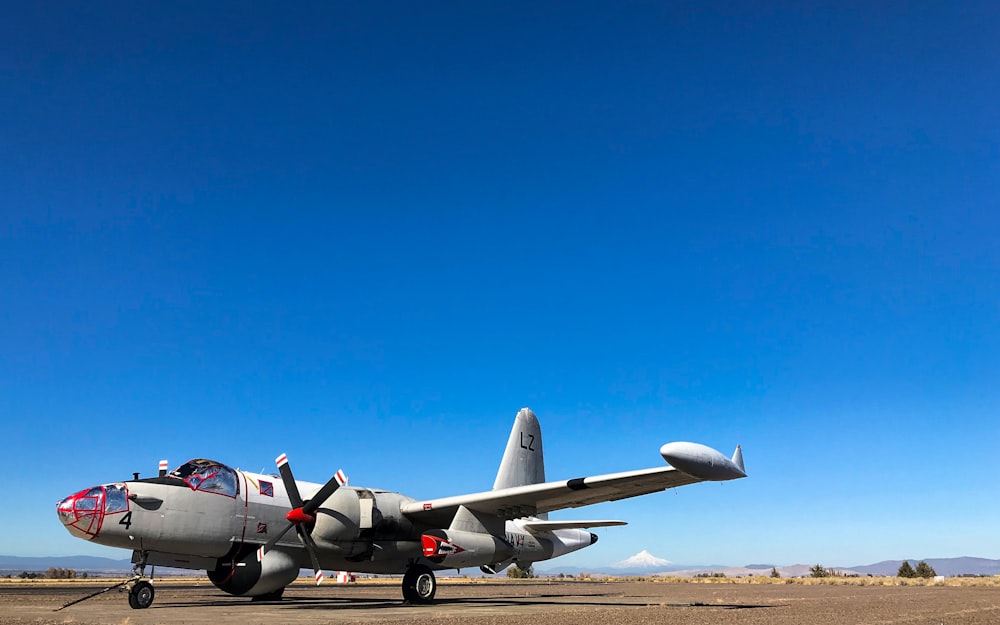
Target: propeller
<point>302,514</point>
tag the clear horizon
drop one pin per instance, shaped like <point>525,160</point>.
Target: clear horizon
<point>554,566</point>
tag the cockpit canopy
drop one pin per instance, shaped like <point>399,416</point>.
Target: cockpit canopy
<point>208,476</point>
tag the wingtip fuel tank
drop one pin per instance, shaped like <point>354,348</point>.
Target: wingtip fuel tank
<point>703,462</point>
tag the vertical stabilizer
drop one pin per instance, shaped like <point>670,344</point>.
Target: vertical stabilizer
<point>522,461</point>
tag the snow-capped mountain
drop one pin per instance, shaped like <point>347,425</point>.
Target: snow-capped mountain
<point>641,560</point>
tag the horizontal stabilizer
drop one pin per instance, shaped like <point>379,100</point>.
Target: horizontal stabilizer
<point>548,526</point>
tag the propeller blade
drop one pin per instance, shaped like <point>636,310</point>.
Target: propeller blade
<point>286,478</point>
<point>301,513</point>
<point>338,480</point>
<point>311,548</point>
<point>272,542</point>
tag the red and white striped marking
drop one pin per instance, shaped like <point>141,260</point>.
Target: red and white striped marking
<point>163,465</point>
<point>341,477</point>
<point>281,460</point>
<point>260,553</point>
<point>319,577</point>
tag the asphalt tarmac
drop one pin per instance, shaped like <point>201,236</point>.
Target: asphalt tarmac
<point>535,602</point>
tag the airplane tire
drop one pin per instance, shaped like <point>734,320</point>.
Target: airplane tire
<point>141,595</point>
<point>419,584</point>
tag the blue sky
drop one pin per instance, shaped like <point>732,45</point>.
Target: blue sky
<point>366,234</point>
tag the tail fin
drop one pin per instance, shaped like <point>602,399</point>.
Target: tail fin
<point>522,461</point>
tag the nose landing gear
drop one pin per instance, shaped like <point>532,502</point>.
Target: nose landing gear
<point>140,596</point>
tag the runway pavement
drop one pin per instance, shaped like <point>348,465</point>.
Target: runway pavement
<point>534,602</point>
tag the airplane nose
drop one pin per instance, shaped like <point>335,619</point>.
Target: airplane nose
<point>82,513</point>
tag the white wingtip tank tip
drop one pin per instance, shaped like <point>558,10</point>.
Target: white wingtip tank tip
<point>738,459</point>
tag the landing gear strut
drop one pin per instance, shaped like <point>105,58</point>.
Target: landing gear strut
<point>419,584</point>
<point>140,595</point>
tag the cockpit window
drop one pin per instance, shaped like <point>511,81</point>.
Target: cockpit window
<point>116,498</point>
<point>208,476</point>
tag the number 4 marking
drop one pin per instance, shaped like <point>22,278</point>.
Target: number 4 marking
<point>126,520</point>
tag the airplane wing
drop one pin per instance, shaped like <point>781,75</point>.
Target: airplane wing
<point>530,500</point>
<point>690,463</point>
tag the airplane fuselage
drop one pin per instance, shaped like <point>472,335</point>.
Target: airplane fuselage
<point>216,523</point>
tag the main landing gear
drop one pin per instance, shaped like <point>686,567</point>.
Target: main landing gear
<point>419,584</point>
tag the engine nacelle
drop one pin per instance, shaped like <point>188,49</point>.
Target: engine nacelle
<point>458,549</point>
<point>340,521</point>
<point>243,575</point>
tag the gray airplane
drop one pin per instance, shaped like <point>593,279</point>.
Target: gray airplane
<point>236,524</point>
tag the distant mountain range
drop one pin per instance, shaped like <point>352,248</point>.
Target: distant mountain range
<point>948,567</point>
<point>93,565</point>
<point>80,563</point>
<point>642,563</point>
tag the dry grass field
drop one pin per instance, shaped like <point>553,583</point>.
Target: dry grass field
<point>978,582</point>
<point>744,601</point>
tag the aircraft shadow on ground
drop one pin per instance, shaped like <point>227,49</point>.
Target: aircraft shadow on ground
<point>724,606</point>
<point>368,603</point>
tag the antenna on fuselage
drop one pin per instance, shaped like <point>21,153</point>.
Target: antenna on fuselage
<point>163,468</point>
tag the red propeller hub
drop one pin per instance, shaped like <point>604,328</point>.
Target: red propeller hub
<point>296,515</point>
